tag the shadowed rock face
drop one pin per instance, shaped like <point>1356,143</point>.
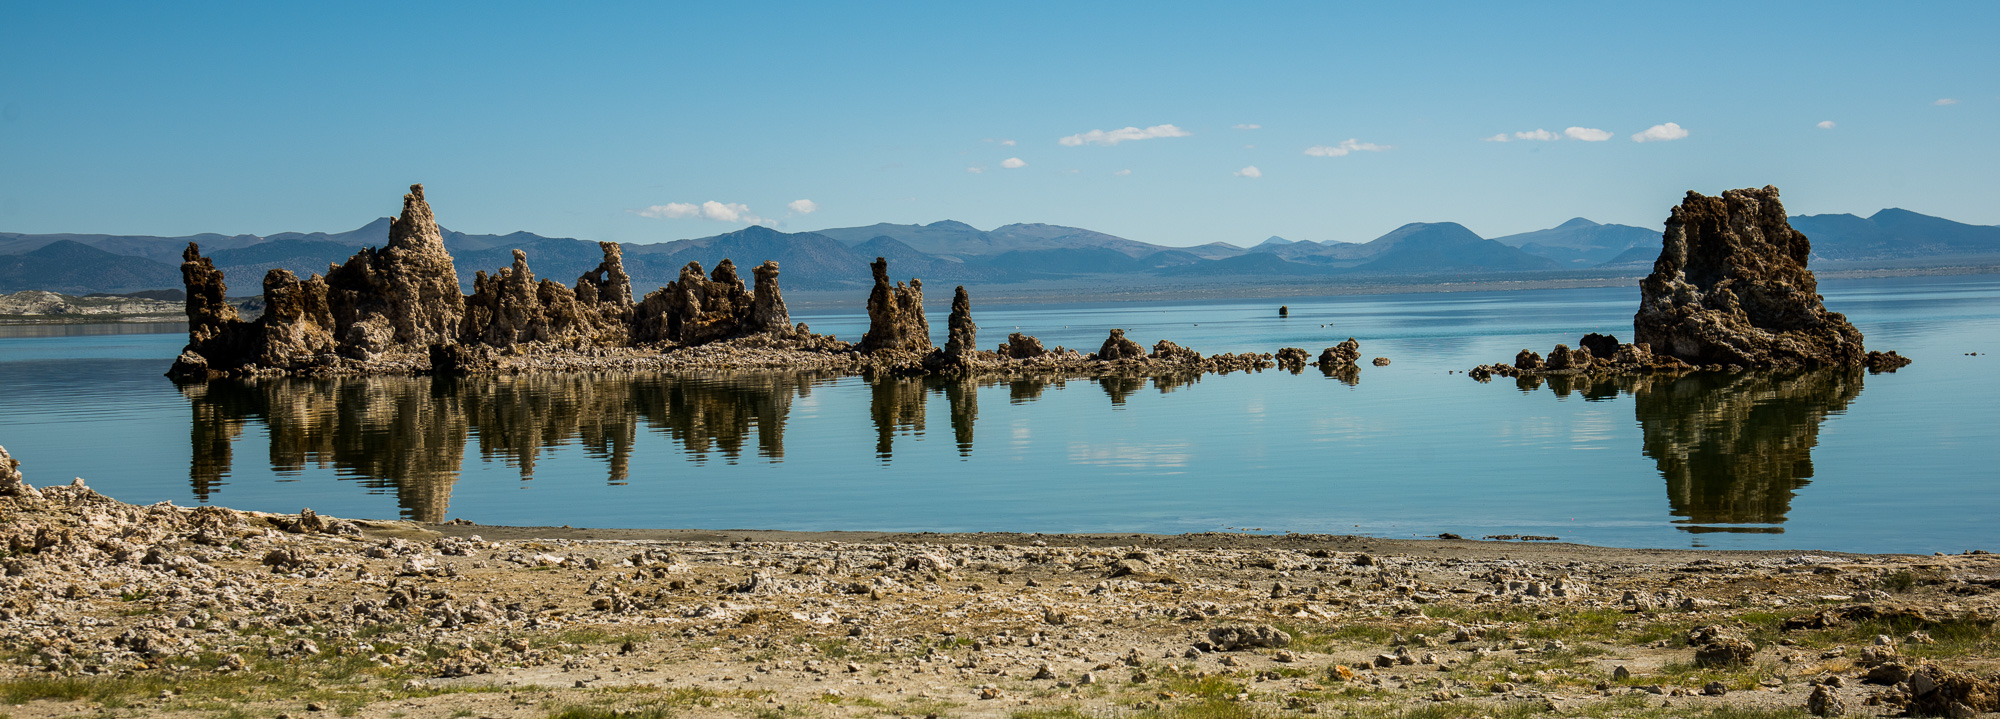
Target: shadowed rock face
<point>1731,287</point>
<point>1734,447</point>
<point>896,314</point>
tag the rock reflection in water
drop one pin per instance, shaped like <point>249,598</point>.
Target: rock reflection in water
<point>897,404</point>
<point>1732,447</point>
<point>1735,447</point>
<point>409,434</point>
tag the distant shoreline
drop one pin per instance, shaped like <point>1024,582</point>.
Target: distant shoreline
<point>1122,288</point>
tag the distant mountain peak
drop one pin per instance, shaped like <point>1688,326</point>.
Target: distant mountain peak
<point>1575,222</point>
<point>952,225</point>
<point>1275,241</point>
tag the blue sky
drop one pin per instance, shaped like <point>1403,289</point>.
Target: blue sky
<point>610,121</point>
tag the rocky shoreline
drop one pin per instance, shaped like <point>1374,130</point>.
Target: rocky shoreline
<point>113,609</point>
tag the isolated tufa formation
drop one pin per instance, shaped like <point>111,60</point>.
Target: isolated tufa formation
<point>1729,291</point>
<point>1731,288</point>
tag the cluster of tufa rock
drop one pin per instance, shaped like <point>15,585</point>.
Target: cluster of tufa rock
<point>1730,290</point>
<point>398,310</point>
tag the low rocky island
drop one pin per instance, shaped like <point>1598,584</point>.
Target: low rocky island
<point>113,609</point>
<point>398,310</point>
<point>1730,291</point>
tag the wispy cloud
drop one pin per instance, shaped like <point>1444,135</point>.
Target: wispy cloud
<point>1008,143</point>
<point>1013,163</point>
<point>1101,137</point>
<point>1587,134</point>
<point>1942,101</point>
<point>1347,146</point>
<point>976,169</point>
<point>1536,134</point>
<point>1660,133</point>
<point>1825,125</point>
<point>1249,126</point>
<point>803,207</point>
<point>1250,172</point>
<point>1122,173</point>
<point>710,210</point>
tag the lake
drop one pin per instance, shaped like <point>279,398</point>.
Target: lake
<point>1831,459</point>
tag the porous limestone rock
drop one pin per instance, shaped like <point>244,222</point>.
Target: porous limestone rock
<point>895,314</point>
<point>1528,360</point>
<point>1936,691</point>
<point>1293,358</point>
<point>963,335</point>
<point>1344,354</point>
<point>767,305</point>
<point>11,483</point>
<point>1825,702</point>
<point>1117,347</point>
<point>403,295</point>
<point>1168,350</point>
<point>1020,346</point>
<point>1731,288</point>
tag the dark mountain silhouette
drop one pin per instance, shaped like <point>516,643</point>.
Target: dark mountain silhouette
<point>71,267</point>
<point>1583,243</point>
<point>1894,233</point>
<point>950,251</point>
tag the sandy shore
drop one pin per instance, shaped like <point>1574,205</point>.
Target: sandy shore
<point>112,609</point>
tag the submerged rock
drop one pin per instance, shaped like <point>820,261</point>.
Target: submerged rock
<point>1731,288</point>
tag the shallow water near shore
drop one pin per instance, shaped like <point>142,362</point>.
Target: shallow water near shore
<point>1837,460</point>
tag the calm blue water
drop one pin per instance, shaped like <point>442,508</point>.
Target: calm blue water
<point>1827,460</point>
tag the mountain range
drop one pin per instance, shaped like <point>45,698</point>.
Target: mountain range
<point>951,251</point>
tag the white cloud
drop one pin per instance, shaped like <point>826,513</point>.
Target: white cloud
<point>976,169</point>
<point>671,210</point>
<point>1249,126</point>
<point>1586,134</point>
<point>803,207</point>
<point>710,210</point>
<point>1825,125</point>
<point>1122,173</point>
<point>1660,133</point>
<point>1346,146</point>
<point>1100,137</point>
<point>1539,134</point>
<point>1942,101</point>
<point>1502,137</point>
<point>1013,163</point>
<point>1008,143</point>
<point>1251,172</point>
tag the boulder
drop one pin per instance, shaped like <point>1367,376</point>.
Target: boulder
<point>1344,354</point>
<point>1229,639</point>
<point>1731,288</point>
<point>1380,361</point>
<point>1528,360</point>
<point>1293,358</point>
<point>1825,702</point>
<point>1020,346</point>
<point>1600,346</point>
<point>1936,691</point>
